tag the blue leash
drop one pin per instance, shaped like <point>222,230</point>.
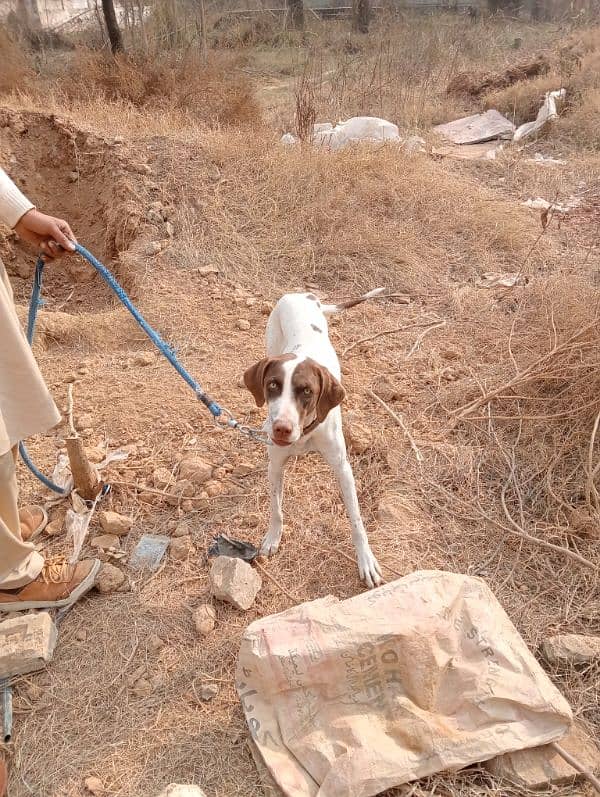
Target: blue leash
<point>222,417</point>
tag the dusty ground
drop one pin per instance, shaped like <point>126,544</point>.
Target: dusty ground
<point>269,221</point>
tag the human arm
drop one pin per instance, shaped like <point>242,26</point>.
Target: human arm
<point>46,232</point>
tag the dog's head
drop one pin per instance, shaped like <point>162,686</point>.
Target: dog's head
<point>297,391</point>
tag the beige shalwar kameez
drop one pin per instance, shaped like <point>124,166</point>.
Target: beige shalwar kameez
<point>26,408</point>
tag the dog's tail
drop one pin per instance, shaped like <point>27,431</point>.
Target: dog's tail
<point>329,309</point>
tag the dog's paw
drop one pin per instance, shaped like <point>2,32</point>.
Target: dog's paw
<point>270,544</point>
<point>369,570</point>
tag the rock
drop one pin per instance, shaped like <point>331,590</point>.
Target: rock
<point>242,469</point>
<point>359,437</point>
<point>169,229</point>
<point>184,488</point>
<point>152,248</point>
<point>208,692</point>
<point>142,688</point>
<point>144,358</point>
<point>195,470</point>
<point>252,520</point>
<point>154,216</point>
<point>81,634</point>
<point>250,302</point>
<point>94,785</point>
<point>389,510</point>
<point>113,523</point>
<point>155,643</point>
<point>181,530</point>
<point>213,488</point>
<point>27,643</point>
<point>204,617</point>
<point>266,308</point>
<point>109,579</point>
<point>234,581</point>
<point>84,422</point>
<point>571,649</point>
<point>105,541</point>
<point>54,527</point>
<point>204,271</point>
<point>243,324</point>
<point>181,548</point>
<point>187,505</point>
<point>179,790</point>
<point>162,477</point>
<point>387,390</point>
<point>219,473</point>
<point>541,766</point>
<point>95,454</point>
<point>73,176</point>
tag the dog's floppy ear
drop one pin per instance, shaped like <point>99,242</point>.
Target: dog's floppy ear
<point>332,394</point>
<point>254,379</point>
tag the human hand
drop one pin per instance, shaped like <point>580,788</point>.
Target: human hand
<point>52,236</point>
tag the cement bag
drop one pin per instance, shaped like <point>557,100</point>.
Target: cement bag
<point>347,699</point>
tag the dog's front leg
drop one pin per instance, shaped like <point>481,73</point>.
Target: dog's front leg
<point>277,460</point>
<point>368,566</point>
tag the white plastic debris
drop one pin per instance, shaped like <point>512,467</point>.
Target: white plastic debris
<point>496,279</point>
<point>477,128</point>
<point>542,204</point>
<point>358,128</point>
<point>545,160</point>
<point>546,114</point>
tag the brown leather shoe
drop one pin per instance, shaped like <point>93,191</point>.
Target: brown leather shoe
<point>59,584</point>
<point>34,520</point>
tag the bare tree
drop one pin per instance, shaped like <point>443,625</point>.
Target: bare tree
<point>361,15</point>
<point>112,26</point>
<point>295,9</point>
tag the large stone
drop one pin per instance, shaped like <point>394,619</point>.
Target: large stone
<point>26,643</point>
<point>571,649</point>
<point>113,523</point>
<point>234,581</point>
<point>543,766</point>
<point>105,541</point>
<point>195,470</point>
<point>181,790</point>
<point>181,548</point>
<point>359,437</point>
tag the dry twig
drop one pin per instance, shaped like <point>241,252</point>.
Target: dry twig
<point>400,421</point>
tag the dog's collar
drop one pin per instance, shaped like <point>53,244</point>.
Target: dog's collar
<point>311,426</point>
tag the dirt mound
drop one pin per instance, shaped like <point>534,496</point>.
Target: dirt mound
<point>474,84</point>
<point>91,181</point>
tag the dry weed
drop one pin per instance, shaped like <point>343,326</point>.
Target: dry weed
<point>521,101</point>
<point>16,74</point>
<point>210,93</point>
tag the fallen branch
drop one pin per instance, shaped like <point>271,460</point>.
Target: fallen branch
<point>388,332</point>
<point>520,532</point>
<point>419,340</point>
<point>400,421</point>
<point>577,765</point>
<point>277,584</point>
<point>467,409</point>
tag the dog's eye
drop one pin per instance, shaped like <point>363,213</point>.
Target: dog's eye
<point>272,385</point>
<point>307,391</point>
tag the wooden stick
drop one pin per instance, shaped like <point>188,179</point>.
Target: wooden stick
<point>520,532</point>
<point>418,341</point>
<point>399,420</point>
<point>381,334</point>
<point>577,765</point>
<point>277,584</point>
<point>467,409</point>
<point>85,478</point>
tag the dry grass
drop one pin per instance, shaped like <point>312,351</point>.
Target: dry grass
<point>16,72</point>
<point>522,101</point>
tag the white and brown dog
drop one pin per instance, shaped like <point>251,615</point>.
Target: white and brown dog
<point>300,382</point>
